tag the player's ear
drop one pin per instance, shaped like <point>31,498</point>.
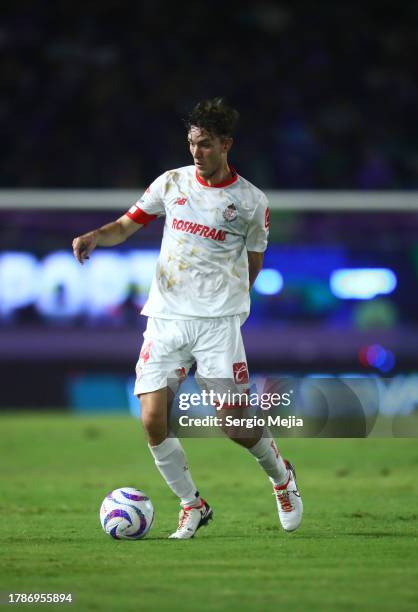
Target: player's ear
<point>227,143</point>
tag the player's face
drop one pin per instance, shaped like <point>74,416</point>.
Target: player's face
<point>209,152</point>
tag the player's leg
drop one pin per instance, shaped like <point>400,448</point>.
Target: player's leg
<point>167,451</point>
<point>154,414</point>
<point>222,365</point>
<point>161,360</point>
<point>220,356</point>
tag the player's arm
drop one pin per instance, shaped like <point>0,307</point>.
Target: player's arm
<point>255,263</point>
<point>148,207</point>
<point>109,235</point>
<point>256,239</point>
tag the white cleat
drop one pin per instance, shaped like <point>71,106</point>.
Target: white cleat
<point>191,518</point>
<point>289,502</point>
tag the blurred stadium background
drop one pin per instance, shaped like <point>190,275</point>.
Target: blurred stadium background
<point>91,113</point>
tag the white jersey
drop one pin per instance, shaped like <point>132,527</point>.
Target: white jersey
<point>202,270</point>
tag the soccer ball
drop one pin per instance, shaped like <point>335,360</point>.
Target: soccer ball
<point>127,514</point>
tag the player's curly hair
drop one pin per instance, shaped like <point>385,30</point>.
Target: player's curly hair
<point>214,116</point>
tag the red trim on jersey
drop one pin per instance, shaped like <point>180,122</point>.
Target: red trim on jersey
<point>225,183</point>
<point>140,216</point>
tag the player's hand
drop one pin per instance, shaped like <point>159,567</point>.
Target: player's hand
<point>83,246</point>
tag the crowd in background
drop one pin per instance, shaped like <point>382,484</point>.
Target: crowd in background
<point>93,93</point>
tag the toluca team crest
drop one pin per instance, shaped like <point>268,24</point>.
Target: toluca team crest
<point>240,371</point>
<point>230,212</point>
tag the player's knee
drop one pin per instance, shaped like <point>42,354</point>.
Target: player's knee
<point>153,416</point>
<point>155,430</point>
<point>151,423</point>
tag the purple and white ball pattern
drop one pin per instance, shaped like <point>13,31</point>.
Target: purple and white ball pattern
<point>127,514</point>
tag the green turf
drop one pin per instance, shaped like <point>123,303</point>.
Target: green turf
<point>357,548</point>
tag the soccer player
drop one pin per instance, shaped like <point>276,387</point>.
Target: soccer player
<point>215,234</point>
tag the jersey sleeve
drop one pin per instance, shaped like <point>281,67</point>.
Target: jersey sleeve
<point>258,229</point>
<point>151,204</point>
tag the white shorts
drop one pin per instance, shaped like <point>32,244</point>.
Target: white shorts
<point>172,346</point>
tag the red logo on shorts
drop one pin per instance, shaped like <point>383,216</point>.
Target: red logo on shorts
<point>240,372</point>
<point>181,201</point>
<point>267,218</point>
<point>144,355</point>
<point>145,352</point>
<point>181,374</point>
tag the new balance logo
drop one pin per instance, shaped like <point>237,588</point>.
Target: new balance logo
<point>181,201</point>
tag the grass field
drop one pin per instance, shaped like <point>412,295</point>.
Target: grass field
<point>356,550</point>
